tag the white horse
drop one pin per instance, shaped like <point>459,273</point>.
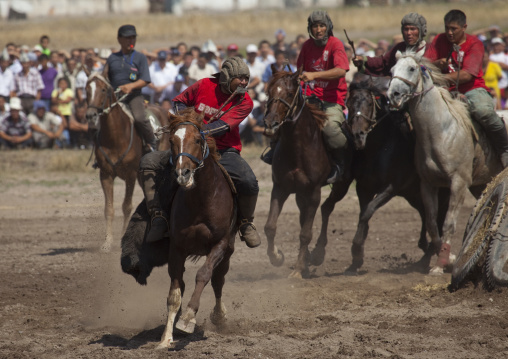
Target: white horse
<point>450,151</point>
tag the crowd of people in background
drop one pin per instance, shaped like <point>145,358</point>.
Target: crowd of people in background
<point>43,97</point>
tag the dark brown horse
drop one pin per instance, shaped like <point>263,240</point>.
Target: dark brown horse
<point>118,147</point>
<point>300,163</point>
<point>383,165</point>
<point>202,221</point>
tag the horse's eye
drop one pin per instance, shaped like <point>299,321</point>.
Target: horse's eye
<point>198,142</point>
<point>412,69</point>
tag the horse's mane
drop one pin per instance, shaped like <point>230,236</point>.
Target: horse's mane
<point>457,108</point>
<point>319,116</point>
<point>190,115</point>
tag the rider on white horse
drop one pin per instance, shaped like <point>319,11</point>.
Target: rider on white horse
<point>414,29</point>
<point>459,56</point>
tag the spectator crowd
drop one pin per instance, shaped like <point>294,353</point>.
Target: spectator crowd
<point>43,97</point>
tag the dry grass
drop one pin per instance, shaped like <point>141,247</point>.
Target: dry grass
<point>34,161</point>
<point>242,27</point>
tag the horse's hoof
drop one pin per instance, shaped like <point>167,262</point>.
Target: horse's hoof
<point>276,259</point>
<point>317,256</point>
<point>436,271</point>
<point>187,329</point>
<point>295,274</point>
<point>166,344</point>
<point>218,318</point>
<point>351,271</point>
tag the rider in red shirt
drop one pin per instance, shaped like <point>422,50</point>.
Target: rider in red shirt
<point>325,64</point>
<point>464,67</point>
<point>414,29</point>
<point>207,96</point>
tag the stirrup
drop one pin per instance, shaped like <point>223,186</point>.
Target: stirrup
<point>156,233</point>
<point>335,174</point>
<point>250,242</point>
<point>267,156</point>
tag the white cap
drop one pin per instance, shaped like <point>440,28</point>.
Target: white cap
<point>497,40</point>
<point>251,48</point>
<point>15,103</point>
<point>37,48</point>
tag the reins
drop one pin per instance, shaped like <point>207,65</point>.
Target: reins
<point>372,120</point>
<point>106,111</point>
<point>413,86</point>
<point>205,149</point>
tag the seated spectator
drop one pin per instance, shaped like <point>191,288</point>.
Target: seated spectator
<point>46,126</point>
<point>174,89</point>
<point>265,53</point>
<point>4,108</point>
<point>163,75</point>
<point>211,50</point>
<point>256,68</point>
<point>66,135</point>
<point>280,62</point>
<point>200,69</point>
<point>78,128</point>
<point>254,126</point>
<point>186,64</point>
<point>6,76</point>
<point>27,84</point>
<point>232,50</point>
<point>280,44</point>
<point>15,129</point>
<point>300,39</point>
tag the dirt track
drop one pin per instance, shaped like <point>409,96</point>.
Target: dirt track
<point>61,298</point>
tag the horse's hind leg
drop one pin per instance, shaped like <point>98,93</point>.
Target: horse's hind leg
<point>277,201</point>
<point>187,321</point>
<point>107,181</point>
<point>308,204</point>
<point>127,201</point>
<point>339,190</point>
<point>174,301</point>
<point>218,315</point>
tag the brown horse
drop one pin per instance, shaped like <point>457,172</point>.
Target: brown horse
<point>118,147</point>
<point>300,163</point>
<point>202,221</point>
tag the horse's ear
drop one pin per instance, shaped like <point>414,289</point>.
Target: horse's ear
<point>274,68</point>
<point>105,71</point>
<point>398,55</point>
<point>297,73</point>
<point>86,71</point>
<point>419,54</point>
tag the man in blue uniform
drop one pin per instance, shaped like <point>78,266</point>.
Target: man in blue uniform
<point>128,71</point>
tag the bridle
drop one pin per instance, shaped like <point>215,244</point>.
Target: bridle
<point>110,95</point>
<point>413,85</point>
<point>205,150</point>
<point>372,121</point>
<point>289,116</point>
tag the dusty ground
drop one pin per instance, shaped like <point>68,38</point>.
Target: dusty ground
<point>61,298</point>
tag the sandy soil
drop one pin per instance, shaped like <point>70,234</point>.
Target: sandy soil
<point>62,298</point>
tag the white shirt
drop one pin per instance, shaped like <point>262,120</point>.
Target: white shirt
<point>6,82</point>
<point>165,76</point>
<point>196,74</point>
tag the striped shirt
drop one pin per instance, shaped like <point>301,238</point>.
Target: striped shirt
<point>28,84</point>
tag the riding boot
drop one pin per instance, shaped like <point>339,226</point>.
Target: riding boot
<point>159,218</point>
<point>499,139</point>
<point>338,165</point>
<point>248,233</point>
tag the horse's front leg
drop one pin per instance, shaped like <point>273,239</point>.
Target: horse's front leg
<point>279,197</point>
<point>339,190</point>
<point>458,190</point>
<point>187,321</point>
<point>107,181</point>
<point>130,183</point>
<point>308,204</point>
<point>174,300</point>
<point>368,205</point>
<point>218,315</point>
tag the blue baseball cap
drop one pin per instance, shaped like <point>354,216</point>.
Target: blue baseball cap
<point>40,104</point>
<point>162,55</point>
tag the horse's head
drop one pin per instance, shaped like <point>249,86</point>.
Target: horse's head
<point>189,147</point>
<point>364,100</point>
<point>282,99</point>
<point>406,75</point>
<point>99,95</point>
